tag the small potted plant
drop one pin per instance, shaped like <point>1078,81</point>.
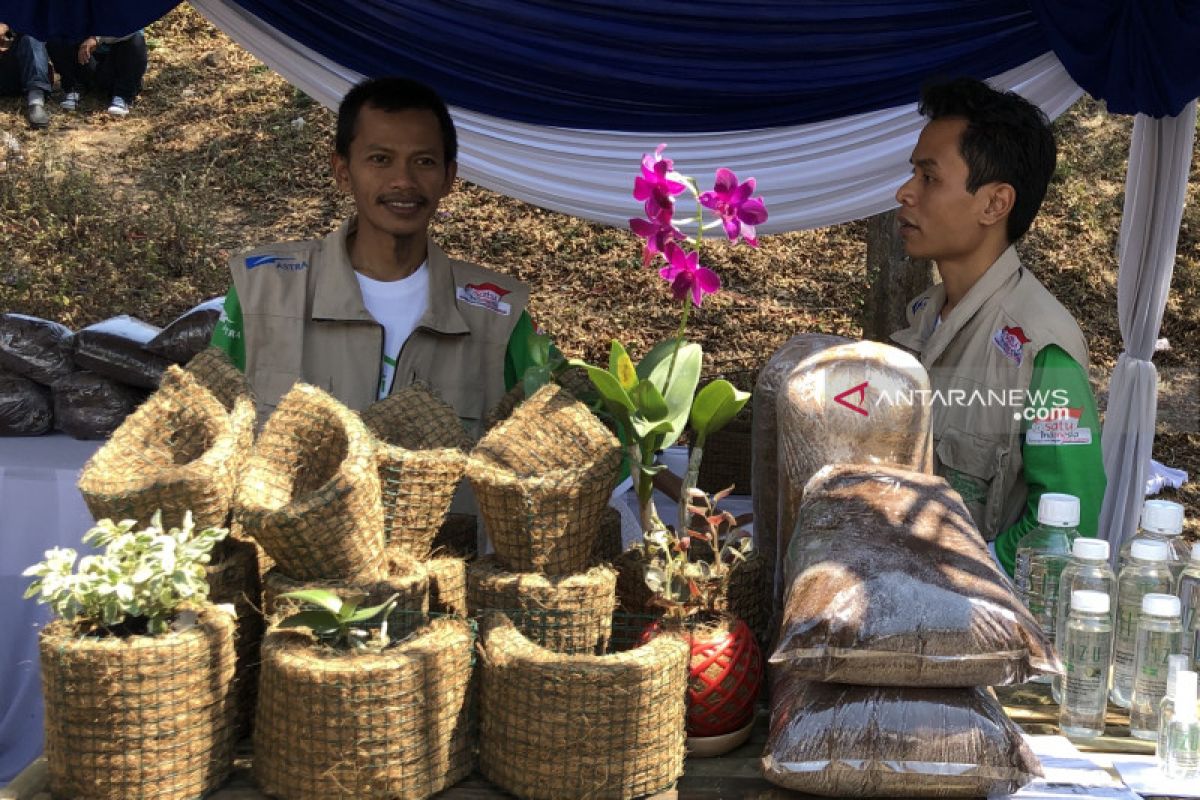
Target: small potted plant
<point>137,671</point>
<point>346,711</point>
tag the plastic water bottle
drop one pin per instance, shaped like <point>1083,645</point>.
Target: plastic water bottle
<point>1176,663</point>
<point>1147,572</point>
<point>1041,555</point>
<point>1182,757</point>
<point>1087,569</point>
<point>1087,649</point>
<point>1189,599</point>
<point>1162,521</point>
<point>1158,636</point>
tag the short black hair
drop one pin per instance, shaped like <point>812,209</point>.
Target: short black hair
<point>393,94</point>
<point>1008,140</point>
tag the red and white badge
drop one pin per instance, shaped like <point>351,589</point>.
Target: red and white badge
<point>1011,340</point>
<point>484,295</point>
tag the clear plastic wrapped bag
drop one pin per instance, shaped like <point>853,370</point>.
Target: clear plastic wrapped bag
<point>894,586</point>
<point>188,334</point>
<point>867,741</point>
<point>35,348</point>
<point>764,448</point>
<point>115,348</point>
<point>25,407</point>
<point>858,403</point>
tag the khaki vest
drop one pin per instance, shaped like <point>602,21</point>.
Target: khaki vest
<point>304,320</point>
<point>980,362</point>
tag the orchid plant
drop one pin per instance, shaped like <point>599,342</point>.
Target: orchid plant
<point>655,399</point>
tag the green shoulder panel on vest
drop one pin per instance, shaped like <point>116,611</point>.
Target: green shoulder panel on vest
<point>1060,447</point>
<point>229,334</point>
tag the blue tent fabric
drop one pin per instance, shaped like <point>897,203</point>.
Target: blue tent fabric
<point>1138,56</point>
<point>701,65</point>
<point>78,19</point>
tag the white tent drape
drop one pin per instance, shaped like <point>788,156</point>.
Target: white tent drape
<point>1155,190</point>
<point>811,175</point>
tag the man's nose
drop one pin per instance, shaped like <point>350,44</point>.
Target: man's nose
<point>402,176</point>
<point>904,195</point>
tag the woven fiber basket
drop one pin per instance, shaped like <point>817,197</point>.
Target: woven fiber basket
<point>394,724</point>
<point>406,578</point>
<point>555,726</point>
<point>233,578</point>
<point>310,491</point>
<point>575,380</point>
<point>571,614</point>
<point>213,369</point>
<point>447,585</point>
<point>180,451</point>
<point>139,716</point>
<point>609,542</point>
<point>542,479</point>
<point>421,460</point>
<point>459,536</point>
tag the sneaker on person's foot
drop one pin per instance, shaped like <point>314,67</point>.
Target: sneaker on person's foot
<point>118,107</point>
<point>38,117</point>
<point>71,101</point>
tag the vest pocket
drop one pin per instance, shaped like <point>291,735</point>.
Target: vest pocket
<point>972,465</point>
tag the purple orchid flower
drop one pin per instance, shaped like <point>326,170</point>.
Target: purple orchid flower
<point>738,210</point>
<point>655,188</point>
<point>686,275</point>
<point>657,234</point>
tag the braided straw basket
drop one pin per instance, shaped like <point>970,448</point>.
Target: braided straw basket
<point>554,726</point>
<point>310,491</point>
<point>406,578</point>
<point>213,369</point>
<point>233,578</point>
<point>180,451</point>
<point>447,585</point>
<point>566,614</point>
<point>421,458</point>
<point>392,724</point>
<point>139,716</point>
<point>542,479</point>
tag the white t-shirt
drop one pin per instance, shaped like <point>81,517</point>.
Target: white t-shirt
<point>397,306</point>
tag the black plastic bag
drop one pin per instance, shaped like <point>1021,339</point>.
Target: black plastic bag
<point>91,406</point>
<point>35,348</point>
<point>25,407</point>
<point>189,333</point>
<point>115,348</point>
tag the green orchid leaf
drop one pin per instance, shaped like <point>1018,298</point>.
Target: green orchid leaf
<point>620,365</point>
<point>323,598</point>
<point>614,396</point>
<point>369,613</point>
<point>650,470</point>
<point>318,620</point>
<point>715,405</point>
<point>649,401</point>
<point>644,429</point>
<point>539,349</point>
<point>535,377</point>
<point>684,379</point>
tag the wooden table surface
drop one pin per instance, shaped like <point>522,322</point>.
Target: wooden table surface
<point>728,777</point>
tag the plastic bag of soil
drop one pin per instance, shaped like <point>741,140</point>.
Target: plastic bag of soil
<point>25,407</point>
<point>35,348</point>
<point>91,406</point>
<point>115,348</point>
<point>868,741</point>
<point>894,586</point>
<point>189,333</point>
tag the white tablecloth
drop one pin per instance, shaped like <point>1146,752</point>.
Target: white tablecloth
<point>40,508</point>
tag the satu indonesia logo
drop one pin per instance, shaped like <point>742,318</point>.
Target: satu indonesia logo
<point>854,398</point>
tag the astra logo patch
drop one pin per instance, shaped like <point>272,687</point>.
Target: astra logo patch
<point>281,263</point>
<point>858,392</point>
<point>1011,340</point>
<point>919,304</point>
<point>484,295</point>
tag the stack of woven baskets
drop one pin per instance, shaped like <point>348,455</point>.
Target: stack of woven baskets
<point>337,724</point>
<point>559,717</point>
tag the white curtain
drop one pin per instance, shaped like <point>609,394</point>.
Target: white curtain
<point>1155,190</point>
<point>811,175</point>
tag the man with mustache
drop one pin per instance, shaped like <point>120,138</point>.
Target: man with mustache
<point>1015,416</point>
<point>376,305</point>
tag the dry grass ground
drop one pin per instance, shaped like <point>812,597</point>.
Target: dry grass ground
<point>102,216</point>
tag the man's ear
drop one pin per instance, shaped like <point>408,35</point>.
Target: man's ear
<point>1000,199</point>
<point>341,171</point>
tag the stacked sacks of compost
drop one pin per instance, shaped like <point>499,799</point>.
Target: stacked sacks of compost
<point>895,618</point>
<point>542,478</point>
